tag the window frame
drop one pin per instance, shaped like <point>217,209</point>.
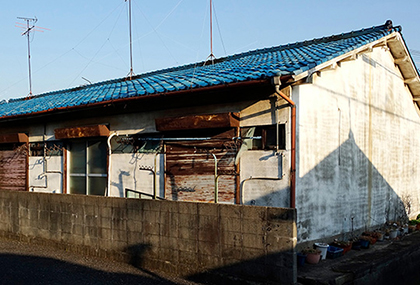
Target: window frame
<point>87,171</point>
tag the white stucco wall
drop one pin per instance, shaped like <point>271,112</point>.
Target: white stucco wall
<point>265,175</point>
<point>358,148</point>
<point>45,174</point>
<point>126,173</point>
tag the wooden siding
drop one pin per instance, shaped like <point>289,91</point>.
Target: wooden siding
<point>13,174</point>
<point>190,170</point>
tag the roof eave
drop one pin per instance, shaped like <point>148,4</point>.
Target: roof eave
<point>399,51</point>
<point>135,98</point>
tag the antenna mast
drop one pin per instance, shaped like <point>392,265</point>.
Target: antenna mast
<point>131,73</point>
<point>26,33</point>
<point>211,56</point>
<point>28,28</point>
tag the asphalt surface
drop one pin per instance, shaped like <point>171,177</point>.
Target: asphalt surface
<point>24,263</point>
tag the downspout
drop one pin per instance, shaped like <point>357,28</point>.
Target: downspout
<point>109,162</point>
<point>276,83</point>
<point>216,181</point>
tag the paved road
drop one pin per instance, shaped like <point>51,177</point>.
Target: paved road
<point>23,263</point>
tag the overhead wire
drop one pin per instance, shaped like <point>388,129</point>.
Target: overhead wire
<point>147,20</point>
<point>218,28</point>
<point>65,53</point>
<point>87,65</point>
<point>115,24</point>
<point>198,47</point>
<point>91,60</point>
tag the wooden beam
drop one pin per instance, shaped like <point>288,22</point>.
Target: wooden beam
<point>401,60</point>
<point>223,120</point>
<point>14,138</point>
<point>411,80</point>
<point>82,132</point>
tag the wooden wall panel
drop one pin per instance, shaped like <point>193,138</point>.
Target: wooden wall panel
<point>13,170</point>
<point>190,173</point>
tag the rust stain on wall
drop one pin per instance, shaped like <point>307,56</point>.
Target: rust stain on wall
<point>224,120</point>
<point>190,172</point>
<point>13,170</point>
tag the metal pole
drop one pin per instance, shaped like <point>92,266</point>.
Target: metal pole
<point>131,40</point>
<point>29,57</point>
<point>216,178</point>
<point>211,30</point>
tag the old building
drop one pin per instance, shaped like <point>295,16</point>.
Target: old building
<point>327,126</point>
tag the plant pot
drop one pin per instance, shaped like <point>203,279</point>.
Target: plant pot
<point>301,258</point>
<point>372,240</point>
<point>393,234</point>
<point>334,252</point>
<point>313,258</point>
<point>356,245</point>
<point>380,236</point>
<point>345,247</point>
<point>323,247</point>
<point>364,243</point>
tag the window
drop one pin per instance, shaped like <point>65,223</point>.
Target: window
<point>265,137</point>
<point>88,167</point>
<point>50,148</point>
<point>148,143</point>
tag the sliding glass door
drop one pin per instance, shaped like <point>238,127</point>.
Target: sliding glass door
<point>88,167</point>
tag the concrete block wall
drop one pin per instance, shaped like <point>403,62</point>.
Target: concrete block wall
<point>183,238</point>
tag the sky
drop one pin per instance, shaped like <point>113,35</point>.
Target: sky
<point>78,42</point>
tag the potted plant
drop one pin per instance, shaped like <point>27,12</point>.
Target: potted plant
<point>378,235</point>
<point>393,233</point>
<point>364,241</point>
<point>345,245</point>
<point>301,258</point>
<point>312,255</point>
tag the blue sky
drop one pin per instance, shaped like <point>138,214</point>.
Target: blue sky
<point>89,39</point>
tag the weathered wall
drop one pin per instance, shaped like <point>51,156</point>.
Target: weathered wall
<point>125,173</point>
<point>46,174</point>
<point>265,175</point>
<point>358,151</point>
<point>177,237</point>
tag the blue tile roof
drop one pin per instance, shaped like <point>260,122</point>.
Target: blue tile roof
<point>290,59</point>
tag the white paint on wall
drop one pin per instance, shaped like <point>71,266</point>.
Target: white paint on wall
<point>264,179</point>
<point>126,173</point>
<point>357,148</point>
<point>45,174</point>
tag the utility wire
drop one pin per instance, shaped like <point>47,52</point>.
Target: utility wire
<point>154,29</point>
<point>218,28</point>
<point>65,53</point>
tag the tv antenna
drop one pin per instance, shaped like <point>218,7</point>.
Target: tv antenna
<point>131,73</point>
<point>211,57</point>
<point>27,29</point>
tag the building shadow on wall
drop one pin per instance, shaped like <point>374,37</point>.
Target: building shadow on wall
<point>25,269</point>
<point>345,192</point>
